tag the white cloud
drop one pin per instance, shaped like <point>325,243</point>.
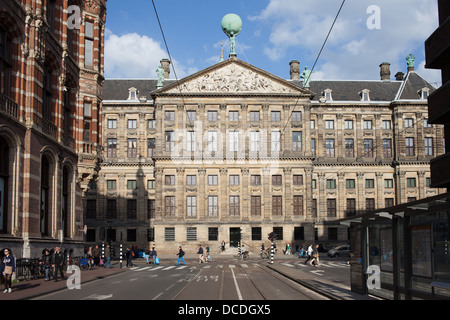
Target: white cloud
<point>135,56</point>
<point>353,51</point>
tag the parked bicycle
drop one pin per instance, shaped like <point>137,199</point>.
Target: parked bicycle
<point>84,263</point>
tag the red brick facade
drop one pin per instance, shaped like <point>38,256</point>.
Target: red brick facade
<point>51,78</point>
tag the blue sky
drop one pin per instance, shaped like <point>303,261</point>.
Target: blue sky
<point>274,33</point>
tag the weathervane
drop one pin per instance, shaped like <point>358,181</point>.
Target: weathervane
<point>232,26</point>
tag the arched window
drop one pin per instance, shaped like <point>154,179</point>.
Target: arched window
<point>4,178</point>
<point>65,202</point>
<point>5,63</point>
<point>45,198</point>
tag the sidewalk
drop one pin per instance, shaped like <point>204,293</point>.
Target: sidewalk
<point>25,290</point>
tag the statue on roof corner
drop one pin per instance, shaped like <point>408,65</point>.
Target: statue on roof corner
<point>306,75</point>
<point>160,72</point>
<point>410,60</point>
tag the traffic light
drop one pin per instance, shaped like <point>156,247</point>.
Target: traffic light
<point>272,236</point>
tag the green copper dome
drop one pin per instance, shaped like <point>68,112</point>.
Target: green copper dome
<point>231,24</point>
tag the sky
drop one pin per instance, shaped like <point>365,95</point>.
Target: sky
<point>274,32</point>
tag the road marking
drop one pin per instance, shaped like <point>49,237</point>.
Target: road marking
<point>168,268</point>
<point>182,267</point>
<point>142,269</point>
<point>155,268</point>
<point>158,296</point>
<point>244,265</point>
<point>317,272</point>
<point>236,284</point>
<point>287,264</point>
<point>98,297</point>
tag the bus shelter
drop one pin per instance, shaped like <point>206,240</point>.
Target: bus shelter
<point>401,252</point>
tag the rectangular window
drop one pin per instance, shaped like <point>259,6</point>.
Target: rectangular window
<point>170,206</point>
<point>351,207</point>
<point>151,124</point>
<point>428,146</point>
<point>275,116</point>
<point>132,124</point>
<point>191,206</point>
<point>88,53</point>
<point>111,209</point>
<point>298,205</point>
<point>169,116</point>
<point>388,183</point>
<point>296,116</point>
<point>234,205</point>
<point>409,143</point>
<point>386,124</point>
<point>254,141</point>
<point>255,180</point>
<point>254,116</point>
<point>329,124</point>
<point>297,141</point>
<point>277,206</point>
<point>169,180</point>
<point>151,184</point>
<point>367,124</point>
<point>279,232</point>
<point>388,202</point>
<point>387,148</point>
<point>277,180</point>
<point>131,208</point>
<point>191,116</point>
<point>132,148</point>
<point>234,180</point>
<point>256,234</point>
<point>370,204</point>
<point>299,233</point>
<point>348,124</point>
<point>313,146</point>
<point>151,147</point>
<point>409,123</point>
<point>370,183</point>
<point>297,180</point>
<point>256,205</point>
<point>350,183</point>
<point>233,116</point>
<point>331,184</point>
<point>151,207</point>
<point>131,184</point>
<point>191,141</point>
<point>331,207</point>
<point>213,207</point>
<point>329,148</point>
<point>112,123</point>
<point>212,180</point>
<point>212,115</point>
<point>170,140</point>
<point>213,234</point>
<point>411,182</point>
<point>233,137</point>
<point>111,184</point>
<point>191,180</point>
<point>112,147</point>
<point>212,141</point>
<point>276,141</point>
<point>349,148</point>
<point>169,234</point>
<point>368,148</point>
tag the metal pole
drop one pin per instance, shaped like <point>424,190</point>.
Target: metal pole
<point>271,253</point>
<point>103,251</point>
<point>120,256</point>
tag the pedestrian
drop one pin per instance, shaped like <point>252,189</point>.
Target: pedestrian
<point>47,264</point>
<point>200,253</point>
<point>96,255</point>
<point>107,256</point>
<point>223,245</point>
<point>129,256</point>
<point>154,255</point>
<point>309,253</point>
<point>180,255</point>
<point>208,257</point>
<point>288,249</point>
<point>315,256</point>
<point>58,263</point>
<point>147,255</point>
<point>7,269</point>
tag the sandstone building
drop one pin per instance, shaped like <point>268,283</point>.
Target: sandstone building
<point>233,153</point>
<point>51,67</point>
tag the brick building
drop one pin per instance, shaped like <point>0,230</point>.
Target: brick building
<point>235,151</point>
<point>51,76</point>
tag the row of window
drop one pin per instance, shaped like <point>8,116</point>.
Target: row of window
<point>233,206</point>
<point>275,117</point>
<point>276,145</point>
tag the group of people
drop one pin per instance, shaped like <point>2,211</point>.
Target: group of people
<point>312,255</point>
<point>96,255</point>
<point>203,257</point>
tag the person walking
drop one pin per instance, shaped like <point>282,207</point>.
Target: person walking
<point>147,255</point>
<point>129,256</point>
<point>47,264</point>
<point>309,253</point>
<point>180,255</point>
<point>223,245</point>
<point>58,263</point>
<point>96,255</point>
<point>107,257</point>
<point>200,253</point>
<point>7,269</point>
<point>315,256</point>
<point>154,255</point>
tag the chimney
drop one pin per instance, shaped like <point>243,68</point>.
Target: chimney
<point>165,64</point>
<point>295,70</point>
<point>385,72</point>
<point>399,76</point>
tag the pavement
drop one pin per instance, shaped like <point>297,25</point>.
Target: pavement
<point>26,290</point>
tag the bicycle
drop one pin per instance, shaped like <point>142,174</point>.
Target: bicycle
<point>242,255</point>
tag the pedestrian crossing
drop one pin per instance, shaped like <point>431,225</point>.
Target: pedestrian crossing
<point>325,265</point>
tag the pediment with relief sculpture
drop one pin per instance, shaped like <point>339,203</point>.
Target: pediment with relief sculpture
<point>233,76</point>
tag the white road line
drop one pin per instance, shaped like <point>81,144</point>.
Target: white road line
<point>168,268</point>
<point>244,265</point>
<point>236,284</point>
<point>142,269</point>
<point>287,264</point>
<point>158,296</point>
<point>155,268</point>
<point>182,267</point>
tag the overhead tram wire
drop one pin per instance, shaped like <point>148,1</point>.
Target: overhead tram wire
<point>168,52</point>
<point>315,62</point>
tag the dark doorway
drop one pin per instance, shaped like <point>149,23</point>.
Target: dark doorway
<point>235,237</point>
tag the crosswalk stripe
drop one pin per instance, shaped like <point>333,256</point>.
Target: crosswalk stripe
<point>152,269</point>
<point>244,265</point>
<point>168,268</point>
<point>288,264</point>
<point>182,267</point>
<point>142,269</point>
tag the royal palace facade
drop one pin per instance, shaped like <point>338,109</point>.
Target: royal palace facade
<point>233,153</point>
